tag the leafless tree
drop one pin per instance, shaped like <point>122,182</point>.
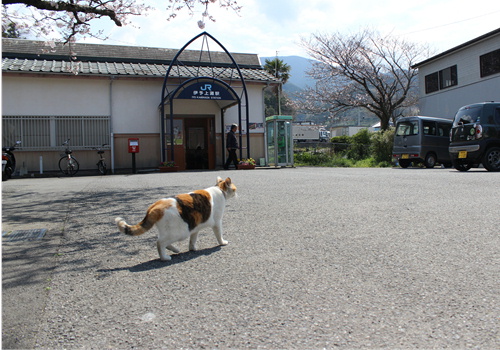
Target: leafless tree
<point>363,70</point>
<point>72,18</point>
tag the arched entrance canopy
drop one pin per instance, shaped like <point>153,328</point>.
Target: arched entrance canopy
<point>200,79</point>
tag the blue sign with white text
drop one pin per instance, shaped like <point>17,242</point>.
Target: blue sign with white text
<point>206,91</point>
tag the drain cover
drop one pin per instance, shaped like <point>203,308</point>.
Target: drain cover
<point>24,235</point>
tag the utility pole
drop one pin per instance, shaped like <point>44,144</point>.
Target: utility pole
<point>279,86</point>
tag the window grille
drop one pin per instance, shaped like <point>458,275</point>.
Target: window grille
<point>46,133</point>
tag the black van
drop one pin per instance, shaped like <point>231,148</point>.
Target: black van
<point>475,137</point>
<point>422,139</point>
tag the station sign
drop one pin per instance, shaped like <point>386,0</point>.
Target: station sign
<point>206,91</point>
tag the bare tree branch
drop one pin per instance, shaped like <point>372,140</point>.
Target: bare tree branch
<point>68,7</point>
<point>364,70</point>
<point>71,18</point>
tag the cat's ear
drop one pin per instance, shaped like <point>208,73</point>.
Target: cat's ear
<point>219,180</point>
<point>228,181</point>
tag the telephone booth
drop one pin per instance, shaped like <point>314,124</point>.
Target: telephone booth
<point>279,140</point>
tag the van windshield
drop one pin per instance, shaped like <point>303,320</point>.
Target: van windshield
<point>407,128</point>
<point>467,115</point>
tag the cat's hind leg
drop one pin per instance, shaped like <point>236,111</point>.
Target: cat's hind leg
<point>162,251</point>
<point>165,242</point>
<point>218,234</point>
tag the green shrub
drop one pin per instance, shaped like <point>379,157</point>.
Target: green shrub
<point>364,149</point>
<point>381,145</point>
<point>360,145</point>
<point>340,162</point>
<point>340,143</point>
<point>366,163</point>
<point>362,137</point>
<point>309,158</point>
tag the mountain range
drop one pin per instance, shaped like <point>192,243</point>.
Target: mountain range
<point>299,79</point>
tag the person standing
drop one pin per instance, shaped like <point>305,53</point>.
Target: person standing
<point>232,146</point>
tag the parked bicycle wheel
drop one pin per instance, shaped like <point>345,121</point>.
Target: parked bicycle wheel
<point>68,166</point>
<point>101,166</point>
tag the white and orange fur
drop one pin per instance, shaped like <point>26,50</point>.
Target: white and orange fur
<point>183,216</point>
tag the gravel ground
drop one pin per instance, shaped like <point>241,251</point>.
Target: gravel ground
<point>318,258</point>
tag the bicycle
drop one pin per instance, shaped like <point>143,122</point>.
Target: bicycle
<point>101,164</point>
<point>68,164</point>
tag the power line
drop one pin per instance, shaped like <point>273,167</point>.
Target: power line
<point>452,23</point>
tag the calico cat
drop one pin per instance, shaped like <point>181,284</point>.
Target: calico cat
<point>183,216</point>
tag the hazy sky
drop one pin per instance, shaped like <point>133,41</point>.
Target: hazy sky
<point>267,26</point>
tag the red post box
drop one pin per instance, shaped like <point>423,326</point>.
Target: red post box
<point>133,145</point>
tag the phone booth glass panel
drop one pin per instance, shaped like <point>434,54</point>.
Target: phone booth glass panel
<point>279,140</point>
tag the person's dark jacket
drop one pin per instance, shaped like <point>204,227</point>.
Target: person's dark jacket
<point>232,142</point>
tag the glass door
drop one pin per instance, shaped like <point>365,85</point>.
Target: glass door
<point>281,143</point>
<point>270,143</point>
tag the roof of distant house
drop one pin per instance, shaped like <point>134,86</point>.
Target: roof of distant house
<point>459,47</point>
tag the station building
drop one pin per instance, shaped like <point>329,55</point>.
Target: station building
<point>177,103</point>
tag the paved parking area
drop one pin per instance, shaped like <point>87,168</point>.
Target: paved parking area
<point>318,258</point>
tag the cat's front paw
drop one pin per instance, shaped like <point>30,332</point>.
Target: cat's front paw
<point>193,248</point>
<point>165,258</point>
<point>223,242</point>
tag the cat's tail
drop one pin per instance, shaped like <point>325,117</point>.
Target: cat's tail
<point>134,230</point>
<point>154,214</point>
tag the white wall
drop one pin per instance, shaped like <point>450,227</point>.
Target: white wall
<point>35,96</point>
<point>445,104</point>
<point>471,87</point>
<point>135,106</point>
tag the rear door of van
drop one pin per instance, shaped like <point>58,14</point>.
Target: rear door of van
<point>407,138</point>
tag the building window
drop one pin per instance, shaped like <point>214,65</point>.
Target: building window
<point>448,77</point>
<point>441,80</point>
<point>49,132</point>
<point>431,83</point>
<point>490,63</point>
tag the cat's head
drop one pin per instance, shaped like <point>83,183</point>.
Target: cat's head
<point>226,186</point>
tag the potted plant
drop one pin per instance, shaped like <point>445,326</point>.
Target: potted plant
<point>248,163</point>
<point>168,166</point>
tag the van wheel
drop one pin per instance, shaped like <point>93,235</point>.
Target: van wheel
<point>491,159</point>
<point>461,166</point>
<point>404,163</point>
<point>430,160</point>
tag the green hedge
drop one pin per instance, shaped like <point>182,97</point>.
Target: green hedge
<point>364,149</point>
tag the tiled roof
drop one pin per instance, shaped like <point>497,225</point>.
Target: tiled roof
<point>128,69</point>
<point>28,56</point>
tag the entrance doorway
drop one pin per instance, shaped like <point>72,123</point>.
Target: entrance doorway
<point>194,147</point>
